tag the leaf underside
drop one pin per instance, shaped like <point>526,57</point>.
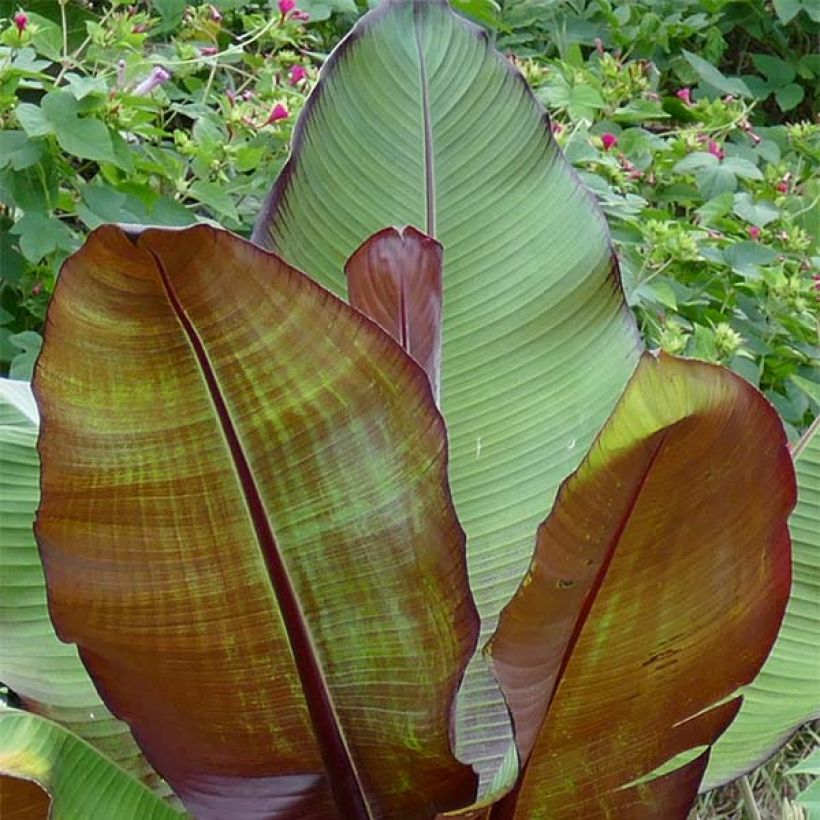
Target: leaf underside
<point>417,121</point>
<point>656,591</point>
<point>245,510</point>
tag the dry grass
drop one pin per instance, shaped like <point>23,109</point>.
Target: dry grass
<point>772,790</point>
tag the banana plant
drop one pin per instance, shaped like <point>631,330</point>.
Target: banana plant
<point>387,514</point>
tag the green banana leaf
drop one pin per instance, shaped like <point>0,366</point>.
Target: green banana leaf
<point>418,121</point>
<point>83,782</point>
<point>786,693</point>
<point>246,529</point>
<point>43,672</point>
<point>614,653</point>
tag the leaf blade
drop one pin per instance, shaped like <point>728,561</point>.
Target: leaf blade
<point>786,693</point>
<point>537,342</point>
<point>648,580</point>
<point>394,278</point>
<point>190,591</point>
<point>80,780</point>
<point>43,672</point>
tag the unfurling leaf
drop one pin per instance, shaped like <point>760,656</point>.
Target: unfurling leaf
<point>395,279</point>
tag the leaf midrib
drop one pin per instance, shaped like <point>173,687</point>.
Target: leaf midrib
<point>340,768</point>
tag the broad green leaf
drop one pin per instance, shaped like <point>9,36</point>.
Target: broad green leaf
<point>777,71</point>
<point>58,114</point>
<point>417,121</point>
<point>710,75</point>
<point>41,235</point>
<point>657,588</point>
<point>786,693</point>
<point>18,151</point>
<point>809,798</point>
<point>245,515</point>
<point>789,96</point>
<point>82,782</point>
<point>716,180</point>
<point>745,258</point>
<point>787,10</point>
<point>28,343</point>
<point>811,387</point>
<point>43,672</point>
<point>759,213</point>
<point>741,167</point>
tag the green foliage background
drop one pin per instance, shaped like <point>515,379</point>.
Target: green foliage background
<point>690,120</point>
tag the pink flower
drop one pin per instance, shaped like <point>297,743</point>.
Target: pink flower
<point>286,6</point>
<point>556,127</point>
<point>783,187</point>
<point>216,15</point>
<point>20,21</point>
<point>208,51</point>
<point>684,94</point>
<point>279,112</point>
<point>297,74</point>
<point>155,79</point>
<point>608,141</point>
<point>301,16</point>
<point>715,150</point>
<point>754,232</point>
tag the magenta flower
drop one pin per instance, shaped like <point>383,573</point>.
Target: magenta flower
<point>297,74</point>
<point>279,112</point>
<point>754,232</point>
<point>715,150</point>
<point>286,6</point>
<point>684,94</point>
<point>608,141</point>
<point>556,127</point>
<point>216,15</point>
<point>155,79</point>
<point>20,21</point>
<point>208,51</point>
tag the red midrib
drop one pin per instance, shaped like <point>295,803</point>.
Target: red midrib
<point>340,769</point>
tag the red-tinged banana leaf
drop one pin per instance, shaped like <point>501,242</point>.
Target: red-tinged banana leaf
<point>395,279</point>
<point>786,693</point>
<point>418,121</point>
<point>22,800</point>
<point>80,782</point>
<point>246,529</point>
<point>44,673</point>
<point>656,590</point>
